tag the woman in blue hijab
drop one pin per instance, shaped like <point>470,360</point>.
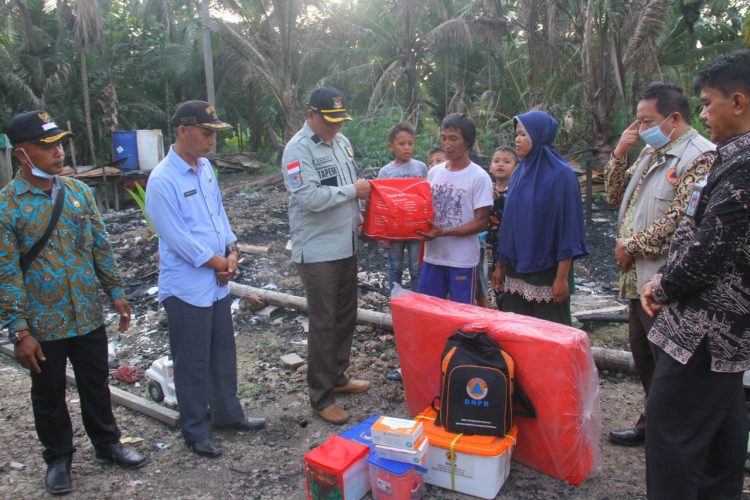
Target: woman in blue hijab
<point>542,227</point>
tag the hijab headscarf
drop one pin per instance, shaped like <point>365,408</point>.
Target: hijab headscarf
<point>543,218</point>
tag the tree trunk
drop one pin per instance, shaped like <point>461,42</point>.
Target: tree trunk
<point>89,127</point>
<point>293,116</point>
<point>167,111</point>
<point>208,58</point>
<point>87,105</point>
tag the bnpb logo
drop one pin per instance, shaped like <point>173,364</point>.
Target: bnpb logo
<point>476,388</point>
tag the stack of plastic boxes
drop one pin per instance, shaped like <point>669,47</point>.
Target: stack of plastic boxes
<point>392,479</point>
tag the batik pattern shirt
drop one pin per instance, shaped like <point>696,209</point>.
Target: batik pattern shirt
<point>653,240</point>
<point>705,284</point>
<point>58,296</point>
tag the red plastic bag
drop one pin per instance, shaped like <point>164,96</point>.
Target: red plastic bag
<point>554,366</point>
<point>397,209</point>
<point>128,374</point>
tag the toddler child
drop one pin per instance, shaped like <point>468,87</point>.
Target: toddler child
<point>435,157</point>
<point>504,161</point>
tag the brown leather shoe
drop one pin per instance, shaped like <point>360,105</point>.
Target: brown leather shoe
<point>333,414</point>
<point>353,387</point>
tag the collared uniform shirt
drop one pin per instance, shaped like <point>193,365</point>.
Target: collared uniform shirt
<point>323,209</point>
<point>58,296</point>
<point>186,209</point>
<point>705,284</point>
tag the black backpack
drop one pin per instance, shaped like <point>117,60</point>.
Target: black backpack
<point>478,387</point>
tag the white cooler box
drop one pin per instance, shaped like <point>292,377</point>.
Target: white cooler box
<point>480,464</point>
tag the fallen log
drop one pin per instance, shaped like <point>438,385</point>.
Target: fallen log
<point>365,316</point>
<point>602,318</point>
<point>252,249</point>
<point>263,181</point>
<point>124,398</point>
<point>613,359</point>
<point>606,359</point>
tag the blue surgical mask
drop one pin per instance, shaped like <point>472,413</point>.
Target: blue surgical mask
<point>35,171</point>
<point>654,137</point>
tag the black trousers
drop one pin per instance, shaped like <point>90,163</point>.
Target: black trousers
<point>331,292</point>
<point>696,431</point>
<point>201,340</point>
<point>88,356</point>
<point>644,352</point>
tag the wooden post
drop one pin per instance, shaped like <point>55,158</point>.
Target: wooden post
<point>72,146</point>
<point>589,190</point>
<point>6,166</point>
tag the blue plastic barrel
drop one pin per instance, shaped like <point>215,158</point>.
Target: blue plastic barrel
<point>125,145</point>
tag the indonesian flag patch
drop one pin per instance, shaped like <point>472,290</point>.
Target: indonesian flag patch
<point>295,174</point>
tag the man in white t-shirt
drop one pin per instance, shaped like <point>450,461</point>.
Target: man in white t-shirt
<point>462,198</point>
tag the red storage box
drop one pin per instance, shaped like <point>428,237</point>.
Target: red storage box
<point>553,365</point>
<point>397,209</point>
<point>337,469</point>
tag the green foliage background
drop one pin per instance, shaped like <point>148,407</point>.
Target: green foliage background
<point>397,60</point>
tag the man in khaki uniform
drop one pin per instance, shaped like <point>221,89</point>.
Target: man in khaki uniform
<point>321,178</point>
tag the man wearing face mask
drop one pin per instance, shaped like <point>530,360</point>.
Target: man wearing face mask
<point>652,194</point>
<point>49,299</point>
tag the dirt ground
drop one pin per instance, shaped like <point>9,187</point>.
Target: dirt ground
<point>269,463</point>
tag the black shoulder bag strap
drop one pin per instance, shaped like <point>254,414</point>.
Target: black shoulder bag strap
<point>28,259</point>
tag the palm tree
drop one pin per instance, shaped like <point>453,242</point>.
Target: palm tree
<point>396,45</point>
<point>276,45</point>
<point>35,65</point>
<point>88,32</point>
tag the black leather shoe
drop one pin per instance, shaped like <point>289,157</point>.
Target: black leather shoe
<point>206,448</point>
<point>124,456</point>
<point>248,424</point>
<point>57,481</point>
<point>628,437</point>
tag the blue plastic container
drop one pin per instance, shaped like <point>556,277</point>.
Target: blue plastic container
<point>125,145</point>
<point>361,433</point>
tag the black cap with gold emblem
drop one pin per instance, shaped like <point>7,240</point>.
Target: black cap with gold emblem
<point>198,113</point>
<point>35,127</point>
<point>330,103</point>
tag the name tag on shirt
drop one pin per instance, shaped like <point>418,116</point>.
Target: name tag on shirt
<point>320,161</point>
<point>190,193</point>
<point>326,172</point>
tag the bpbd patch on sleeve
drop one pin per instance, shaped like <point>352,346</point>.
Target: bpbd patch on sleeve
<point>294,173</point>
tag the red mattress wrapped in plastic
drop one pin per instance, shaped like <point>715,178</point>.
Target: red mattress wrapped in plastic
<point>553,365</point>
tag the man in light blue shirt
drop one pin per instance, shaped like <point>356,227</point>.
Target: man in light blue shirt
<point>198,257</point>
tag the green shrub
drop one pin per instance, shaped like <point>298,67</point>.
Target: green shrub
<point>139,195</point>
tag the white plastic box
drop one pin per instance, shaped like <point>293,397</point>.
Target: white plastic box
<point>417,456</point>
<point>480,466</point>
<point>396,432</point>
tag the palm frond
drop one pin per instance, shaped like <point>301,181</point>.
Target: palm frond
<point>389,78</point>
<point>651,19</point>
